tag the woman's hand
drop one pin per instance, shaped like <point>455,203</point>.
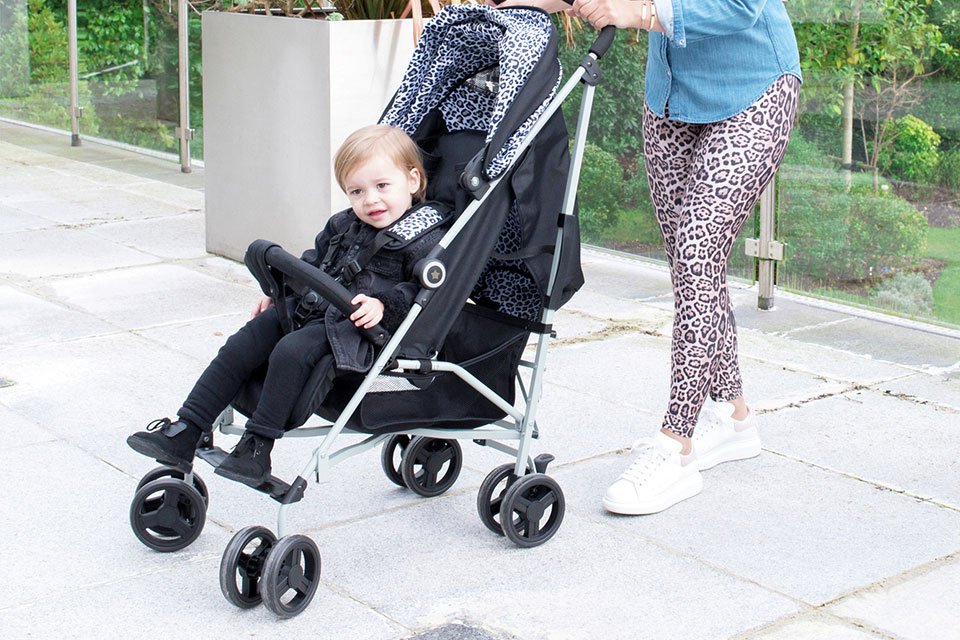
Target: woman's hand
<point>262,305</point>
<point>370,312</point>
<point>622,14</point>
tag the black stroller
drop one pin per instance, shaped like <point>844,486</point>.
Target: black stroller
<point>482,98</point>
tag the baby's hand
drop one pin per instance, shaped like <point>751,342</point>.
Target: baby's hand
<point>262,305</point>
<point>370,312</point>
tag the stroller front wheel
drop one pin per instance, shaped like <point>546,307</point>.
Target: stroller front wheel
<point>290,575</point>
<point>244,558</point>
<point>172,472</point>
<point>490,496</point>
<point>431,465</point>
<point>532,510</point>
<point>167,514</point>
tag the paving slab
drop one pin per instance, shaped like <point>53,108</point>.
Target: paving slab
<point>942,388</point>
<point>616,276</point>
<point>918,608</point>
<point>816,359</point>
<point>902,445</point>
<point>807,533</point>
<point>183,600</point>
<point>198,339</point>
<point>150,296</point>
<point>560,590</point>
<point>21,313</point>
<point>28,254</point>
<point>886,342</point>
<point>13,219</point>
<point>812,627</point>
<point>786,316</point>
<point>21,432</point>
<point>176,237</point>
<point>82,387</point>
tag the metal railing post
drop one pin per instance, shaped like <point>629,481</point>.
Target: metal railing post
<point>184,132</point>
<point>765,248</point>
<point>75,111</point>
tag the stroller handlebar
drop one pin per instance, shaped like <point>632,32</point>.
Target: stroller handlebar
<point>274,256</point>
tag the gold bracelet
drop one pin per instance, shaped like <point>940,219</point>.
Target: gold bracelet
<point>644,7</point>
<point>653,15</point>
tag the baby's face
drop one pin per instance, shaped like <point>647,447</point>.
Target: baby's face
<point>380,191</point>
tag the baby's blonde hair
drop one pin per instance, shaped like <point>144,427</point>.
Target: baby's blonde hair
<point>374,140</point>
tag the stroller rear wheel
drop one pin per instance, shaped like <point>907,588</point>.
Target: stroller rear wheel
<point>431,465</point>
<point>532,510</point>
<point>171,472</point>
<point>490,496</point>
<point>167,514</point>
<point>244,558</point>
<point>290,575</point>
<point>391,461</point>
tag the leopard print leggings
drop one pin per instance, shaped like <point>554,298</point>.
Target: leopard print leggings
<point>704,182</point>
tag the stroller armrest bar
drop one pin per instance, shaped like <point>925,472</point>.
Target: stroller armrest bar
<point>315,279</point>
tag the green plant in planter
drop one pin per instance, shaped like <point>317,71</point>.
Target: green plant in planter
<point>345,9</point>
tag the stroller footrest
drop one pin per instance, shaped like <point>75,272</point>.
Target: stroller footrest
<point>274,487</point>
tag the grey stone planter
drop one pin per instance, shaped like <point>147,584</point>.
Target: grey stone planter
<point>279,96</point>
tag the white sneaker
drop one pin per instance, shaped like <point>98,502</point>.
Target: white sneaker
<point>719,438</point>
<point>656,480</point>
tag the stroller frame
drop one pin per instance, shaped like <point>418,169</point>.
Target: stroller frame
<point>264,572</point>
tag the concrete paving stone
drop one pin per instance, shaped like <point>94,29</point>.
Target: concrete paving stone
<point>175,294</point>
<point>21,313</point>
<point>616,277</point>
<point>605,307</point>
<point>72,528</point>
<point>116,203</point>
<point>183,600</point>
<point>591,580</point>
<point>181,197</point>
<point>459,632</point>
<point>786,316</point>
<point>14,219</point>
<point>99,175</point>
<point>808,533</point>
<point>634,370</point>
<point>174,237</point>
<point>886,342</point>
<point>816,359</point>
<point>103,384</point>
<point>941,388</point>
<point>230,271</point>
<point>20,432</point>
<point>570,325</point>
<point>199,339</point>
<point>64,214</point>
<point>810,627</point>
<point>922,607</point>
<point>42,185</point>
<point>876,437</point>
<point>27,253</point>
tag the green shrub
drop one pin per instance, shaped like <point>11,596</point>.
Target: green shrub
<point>616,118</point>
<point>908,293</point>
<point>950,169</point>
<point>914,153</point>
<point>803,152</point>
<point>600,191</point>
<point>49,55</point>
<point>839,236</point>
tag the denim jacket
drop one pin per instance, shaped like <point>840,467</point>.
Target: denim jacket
<point>717,57</point>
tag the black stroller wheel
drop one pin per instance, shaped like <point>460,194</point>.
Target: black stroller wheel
<point>244,558</point>
<point>391,461</point>
<point>171,472</point>
<point>532,510</point>
<point>167,514</point>
<point>431,465</point>
<point>491,493</point>
<point>290,575</point>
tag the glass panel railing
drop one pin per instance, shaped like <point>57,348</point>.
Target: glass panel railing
<point>34,64</point>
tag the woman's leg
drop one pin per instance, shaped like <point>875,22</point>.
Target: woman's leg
<point>735,160</point>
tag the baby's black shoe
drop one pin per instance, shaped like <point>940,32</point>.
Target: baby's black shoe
<point>249,462</point>
<point>170,443</point>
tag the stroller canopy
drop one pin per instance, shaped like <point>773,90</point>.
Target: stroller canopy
<point>463,41</point>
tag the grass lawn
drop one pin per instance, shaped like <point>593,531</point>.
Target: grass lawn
<point>944,244</point>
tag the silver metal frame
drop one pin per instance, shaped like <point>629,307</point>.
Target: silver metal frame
<point>519,425</point>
